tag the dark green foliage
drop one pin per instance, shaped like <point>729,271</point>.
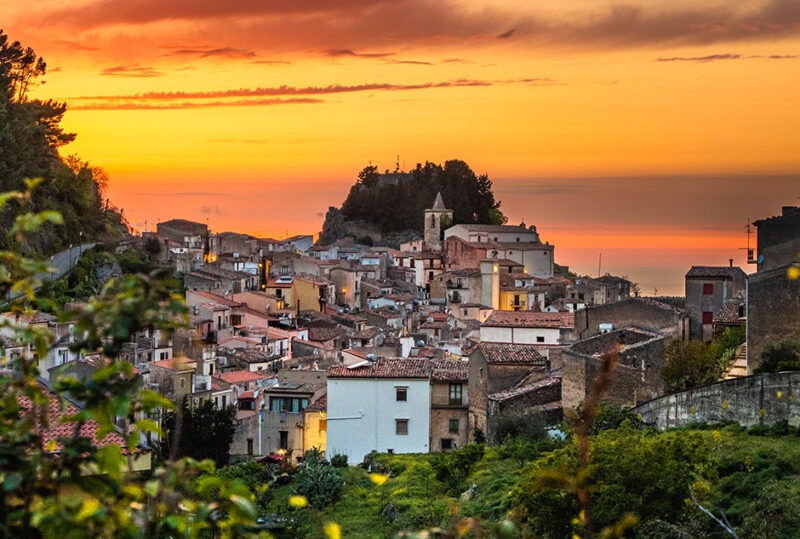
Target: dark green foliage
<point>339,461</point>
<point>643,473</point>
<point>780,356</point>
<point>613,417</point>
<point>256,476</point>
<point>523,450</point>
<point>452,468</point>
<point>518,423</point>
<point>395,208</point>
<point>690,364</point>
<point>206,432</point>
<point>317,480</point>
<point>30,136</point>
<point>772,511</point>
<point>478,436</point>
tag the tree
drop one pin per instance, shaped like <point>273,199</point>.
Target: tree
<point>205,432</point>
<point>180,497</point>
<point>690,364</point>
<point>780,356</point>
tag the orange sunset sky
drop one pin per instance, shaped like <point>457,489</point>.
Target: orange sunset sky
<point>648,130</point>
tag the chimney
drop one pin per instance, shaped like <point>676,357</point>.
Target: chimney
<point>731,261</point>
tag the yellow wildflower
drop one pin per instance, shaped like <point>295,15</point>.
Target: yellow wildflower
<point>298,501</point>
<point>793,273</point>
<point>333,531</point>
<point>378,478</point>
<point>717,437</point>
<point>780,394</point>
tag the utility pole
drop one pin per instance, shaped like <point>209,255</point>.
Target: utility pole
<point>599,264</point>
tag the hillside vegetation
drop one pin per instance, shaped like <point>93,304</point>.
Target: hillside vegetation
<point>396,203</point>
<point>30,140</point>
<point>640,485</point>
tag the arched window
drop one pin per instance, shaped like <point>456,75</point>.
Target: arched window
<point>433,220</point>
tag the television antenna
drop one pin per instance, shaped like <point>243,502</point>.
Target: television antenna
<point>751,259</point>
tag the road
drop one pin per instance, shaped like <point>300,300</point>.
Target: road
<point>62,262</point>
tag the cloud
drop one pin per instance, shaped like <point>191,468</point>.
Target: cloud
<point>727,56</point>
<point>336,53</point>
<point>274,91</point>
<point>131,71</point>
<point>412,62</point>
<point>74,45</point>
<point>271,62</point>
<point>456,61</point>
<point>347,26</point>
<point>238,141</point>
<point>121,105</point>
<point>211,210</point>
<point>227,52</point>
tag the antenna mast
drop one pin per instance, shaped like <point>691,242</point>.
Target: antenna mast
<point>599,264</point>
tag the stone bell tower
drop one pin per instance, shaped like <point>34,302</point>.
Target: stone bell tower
<point>433,224</point>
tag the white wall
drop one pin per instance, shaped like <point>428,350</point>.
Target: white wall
<point>520,335</point>
<point>362,413</point>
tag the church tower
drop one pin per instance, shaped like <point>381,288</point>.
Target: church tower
<point>433,224</point>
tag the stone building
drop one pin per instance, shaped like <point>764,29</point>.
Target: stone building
<point>643,313</point>
<point>494,368</point>
<point>433,224</point>
<point>707,289</point>
<point>449,404</point>
<point>636,378</point>
<point>779,239</point>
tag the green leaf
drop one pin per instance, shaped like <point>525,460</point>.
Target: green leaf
<point>12,481</point>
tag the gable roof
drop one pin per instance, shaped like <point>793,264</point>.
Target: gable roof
<point>237,377</point>
<point>511,353</point>
<point>530,319</point>
<point>714,272</point>
<point>55,428</point>
<point>383,368</point>
<point>449,370</point>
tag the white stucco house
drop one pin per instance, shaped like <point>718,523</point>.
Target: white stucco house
<point>528,327</point>
<point>381,405</point>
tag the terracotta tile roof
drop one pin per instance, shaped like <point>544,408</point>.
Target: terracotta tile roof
<point>528,388</point>
<point>530,319</point>
<point>246,395</point>
<point>511,353</point>
<point>222,300</point>
<point>713,272</point>
<point>449,370</point>
<point>324,334</point>
<point>369,333</point>
<point>319,405</point>
<point>237,377</point>
<point>729,313</point>
<point>384,368</point>
<point>177,363</point>
<point>56,429</point>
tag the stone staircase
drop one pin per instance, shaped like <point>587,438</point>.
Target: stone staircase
<point>738,365</point>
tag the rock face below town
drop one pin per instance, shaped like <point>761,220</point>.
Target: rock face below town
<point>336,227</point>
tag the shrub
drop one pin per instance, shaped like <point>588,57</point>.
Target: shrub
<point>317,480</point>
<point>339,461</point>
<point>780,356</point>
<point>452,468</point>
<point>643,473</point>
<point>690,364</point>
<point>517,423</point>
<point>612,417</point>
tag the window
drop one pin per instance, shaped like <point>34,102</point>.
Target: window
<point>708,289</point>
<point>446,444</point>
<point>287,404</point>
<point>224,401</point>
<point>401,394</point>
<point>183,383</point>
<point>284,439</point>
<point>249,446</point>
<point>453,426</point>
<point>539,338</point>
<point>708,317</point>
<point>465,312</point>
<point>456,394</point>
<point>401,427</point>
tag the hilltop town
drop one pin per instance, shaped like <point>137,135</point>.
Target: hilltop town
<point>353,349</point>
